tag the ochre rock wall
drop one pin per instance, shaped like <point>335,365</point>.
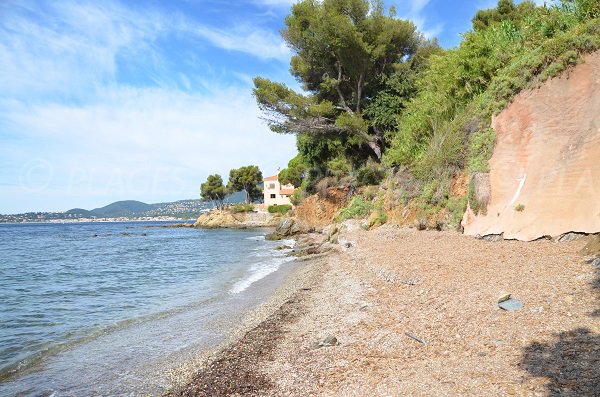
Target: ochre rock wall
<point>546,161</point>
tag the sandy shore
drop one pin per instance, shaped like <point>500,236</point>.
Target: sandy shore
<point>415,313</point>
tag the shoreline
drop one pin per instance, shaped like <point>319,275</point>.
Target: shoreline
<point>217,370</point>
<point>415,313</point>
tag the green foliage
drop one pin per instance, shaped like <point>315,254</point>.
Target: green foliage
<point>512,47</point>
<point>297,197</point>
<point>295,171</point>
<point>519,208</point>
<point>378,216</point>
<point>279,209</point>
<point>214,190</point>
<point>371,174</point>
<point>427,110</point>
<point>480,149</point>
<point>344,52</point>
<point>358,208</point>
<point>246,178</point>
<point>237,208</point>
<point>456,207</point>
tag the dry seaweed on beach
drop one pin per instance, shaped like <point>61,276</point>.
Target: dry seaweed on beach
<point>236,371</point>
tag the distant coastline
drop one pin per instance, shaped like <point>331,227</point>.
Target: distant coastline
<point>101,220</point>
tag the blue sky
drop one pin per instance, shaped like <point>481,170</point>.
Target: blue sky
<point>112,100</point>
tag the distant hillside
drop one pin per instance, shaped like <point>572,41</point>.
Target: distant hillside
<point>80,212</point>
<point>181,209</point>
<point>122,208</point>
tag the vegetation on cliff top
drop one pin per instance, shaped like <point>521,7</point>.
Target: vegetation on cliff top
<point>379,97</point>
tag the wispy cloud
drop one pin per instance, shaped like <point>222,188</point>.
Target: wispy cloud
<point>94,106</point>
<point>167,139</point>
<point>418,5</point>
<point>260,43</point>
<point>415,11</point>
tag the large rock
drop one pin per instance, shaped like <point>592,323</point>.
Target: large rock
<point>545,169</point>
<point>239,220</point>
<point>286,228</point>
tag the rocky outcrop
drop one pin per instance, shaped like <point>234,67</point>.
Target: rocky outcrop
<point>545,170</point>
<point>241,220</point>
<point>317,211</point>
<point>286,228</point>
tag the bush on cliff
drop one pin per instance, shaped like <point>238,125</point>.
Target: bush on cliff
<point>279,209</point>
<point>238,208</point>
<point>358,208</point>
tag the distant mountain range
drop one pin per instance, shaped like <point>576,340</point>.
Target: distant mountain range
<point>181,209</point>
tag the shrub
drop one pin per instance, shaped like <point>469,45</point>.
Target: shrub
<point>279,209</point>
<point>241,207</point>
<point>370,175</point>
<point>456,207</point>
<point>358,208</point>
<point>519,208</point>
<point>297,197</point>
<point>481,148</point>
<point>378,216</point>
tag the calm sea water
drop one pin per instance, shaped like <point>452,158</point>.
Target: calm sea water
<point>111,308</point>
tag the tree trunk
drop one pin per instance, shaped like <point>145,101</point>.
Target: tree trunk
<point>376,147</point>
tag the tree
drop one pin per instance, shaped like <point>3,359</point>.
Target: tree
<point>343,49</point>
<point>247,179</point>
<point>294,173</point>
<point>214,190</point>
<point>506,10</point>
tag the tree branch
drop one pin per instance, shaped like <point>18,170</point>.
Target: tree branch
<point>339,91</point>
<point>359,91</point>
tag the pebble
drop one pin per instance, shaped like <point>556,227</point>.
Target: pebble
<point>511,305</point>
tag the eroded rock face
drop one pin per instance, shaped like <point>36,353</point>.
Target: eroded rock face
<point>545,170</point>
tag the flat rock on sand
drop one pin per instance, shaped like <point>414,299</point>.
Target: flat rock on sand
<point>416,314</point>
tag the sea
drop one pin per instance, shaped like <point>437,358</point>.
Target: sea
<point>116,309</point>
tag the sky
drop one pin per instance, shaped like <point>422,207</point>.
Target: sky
<point>115,100</point>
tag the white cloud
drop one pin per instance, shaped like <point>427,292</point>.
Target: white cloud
<point>257,42</point>
<point>71,48</point>
<point>418,5</point>
<point>150,144</point>
<point>414,11</point>
<point>70,126</point>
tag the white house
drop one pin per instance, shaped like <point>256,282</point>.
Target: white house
<point>275,193</point>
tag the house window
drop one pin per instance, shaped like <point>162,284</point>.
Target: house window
<point>273,195</point>
<point>271,186</point>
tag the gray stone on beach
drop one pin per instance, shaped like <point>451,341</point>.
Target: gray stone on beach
<point>327,342</point>
<point>595,262</point>
<point>511,305</point>
<point>344,243</point>
<point>572,236</point>
<point>494,238</point>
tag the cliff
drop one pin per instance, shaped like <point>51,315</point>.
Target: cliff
<point>544,175</point>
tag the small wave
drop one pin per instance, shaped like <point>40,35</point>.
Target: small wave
<point>256,238</point>
<point>257,272</point>
<point>289,243</point>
